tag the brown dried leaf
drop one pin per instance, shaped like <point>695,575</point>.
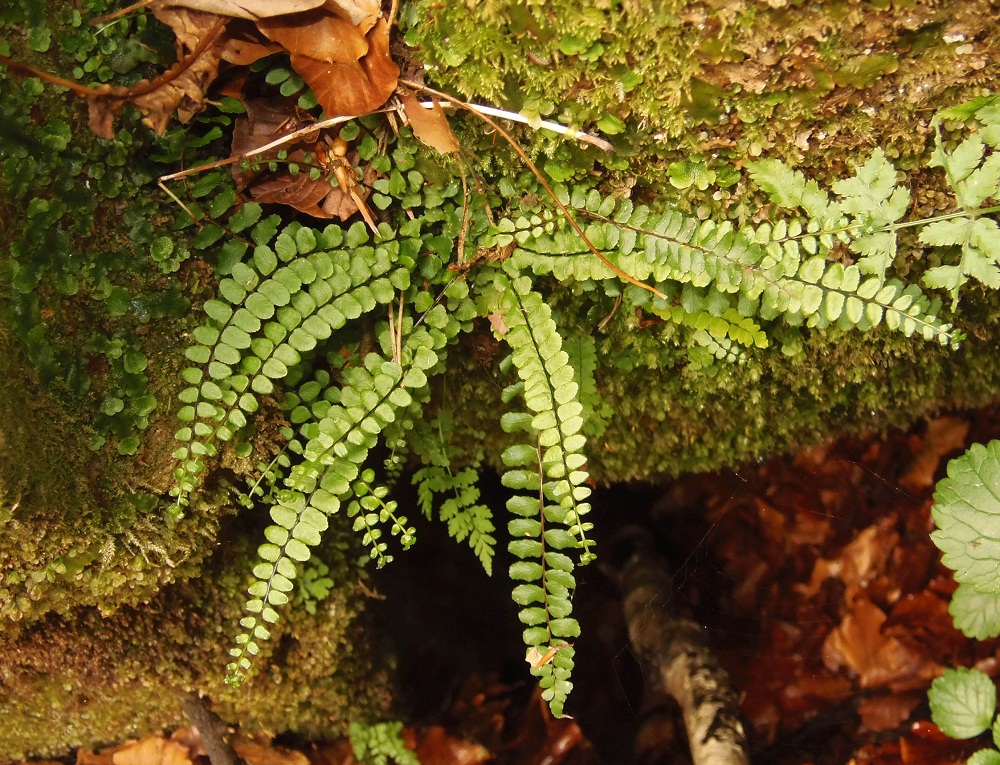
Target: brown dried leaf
<point>430,126</point>
<point>244,9</point>
<point>261,754</point>
<point>265,122</point>
<point>362,13</point>
<point>244,44</point>
<point>859,561</point>
<point>433,746</point>
<point>944,435</point>
<point>858,643</point>
<point>500,327</point>
<point>352,89</point>
<point>297,191</point>
<point>317,34</point>
<point>153,750</point>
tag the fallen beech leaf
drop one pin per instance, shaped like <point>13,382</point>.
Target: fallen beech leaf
<point>153,750</point>
<point>858,643</point>
<point>859,561</point>
<point>352,89</point>
<point>181,88</point>
<point>317,34</point>
<point>243,46</point>
<point>433,746</point>
<point>260,754</point>
<point>430,126</point>
<point>189,27</point>
<point>245,9</point>
<point>362,13</point>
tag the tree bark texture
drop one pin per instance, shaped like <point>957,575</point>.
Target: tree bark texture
<point>675,652</point>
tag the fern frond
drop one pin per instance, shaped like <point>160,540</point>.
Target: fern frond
<point>551,465</point>
<point>370,398</point>
<point>370,510</point>
<point>464,515</point>
<point>772,271</point>
<point>974,176</point>
<point>266,319</point>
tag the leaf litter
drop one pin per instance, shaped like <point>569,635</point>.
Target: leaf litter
<point>828,556</point>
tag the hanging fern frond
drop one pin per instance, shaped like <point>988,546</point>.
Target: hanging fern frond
<point>369,400</point>
<point>551,463</point>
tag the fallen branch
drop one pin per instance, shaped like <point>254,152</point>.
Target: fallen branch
<point>675,652</point>
<point>213,731</point>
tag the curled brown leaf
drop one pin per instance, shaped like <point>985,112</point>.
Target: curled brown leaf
<point>357,88</point>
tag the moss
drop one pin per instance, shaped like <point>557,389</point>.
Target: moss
<point>97,679</point>
<point>118,601</point>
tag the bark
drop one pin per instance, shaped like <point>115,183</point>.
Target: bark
<point>675,652</point>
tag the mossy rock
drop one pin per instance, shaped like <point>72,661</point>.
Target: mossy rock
<point>114,601</point>
<point>89,678</point>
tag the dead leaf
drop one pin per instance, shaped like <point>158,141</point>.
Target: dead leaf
<point>244,44</point>
<point>153,750</point>
<point>433,746</point>
<point>261,754</point>
<point>859,561</point>
<point>430,126</point>
<point>181,88</point>
<point>245,9</point>
<point>352,89</point>
<point>858,643</point>
<point>362,13</point>
<point>317,34</point>
<point>500,327</point>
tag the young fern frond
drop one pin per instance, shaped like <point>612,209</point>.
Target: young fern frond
<point>465,516</point>
<point>975,177</point>
<point>369,509</point>
<point>550,464</point>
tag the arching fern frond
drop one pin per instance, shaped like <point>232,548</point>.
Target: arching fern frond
<point>266,319</point>
<point>369,399</point>
<point>773,271</point>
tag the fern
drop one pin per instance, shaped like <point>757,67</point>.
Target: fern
<point>773,271</point>
<point>465,516</point>
<point>267,319</point>
<point>727,292</point>
<point>550,463</point>
<point>332,457</point>
<point>975,177</point>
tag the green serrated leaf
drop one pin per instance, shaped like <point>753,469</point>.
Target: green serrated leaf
<point>967,514</point>
<point>963,702</point>
<point>976,614</point>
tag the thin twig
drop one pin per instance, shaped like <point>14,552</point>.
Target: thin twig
<point>554,127</point>
<point>214,732</point>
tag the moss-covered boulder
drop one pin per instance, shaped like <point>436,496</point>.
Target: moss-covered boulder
<point>115,597</point>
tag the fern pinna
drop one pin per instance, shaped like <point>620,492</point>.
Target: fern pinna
<point>285,306</point>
